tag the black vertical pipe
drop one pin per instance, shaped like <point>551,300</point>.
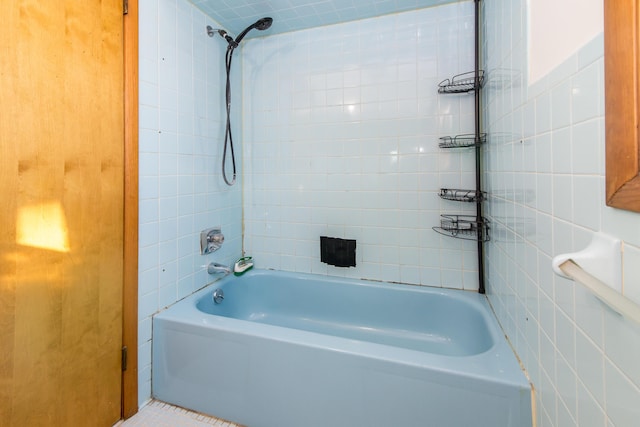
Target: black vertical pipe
<point>479,217</point>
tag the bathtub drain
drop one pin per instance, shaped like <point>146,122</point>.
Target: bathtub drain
<point>218,296</point>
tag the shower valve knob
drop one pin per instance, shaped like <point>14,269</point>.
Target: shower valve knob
<point>216,238</point>
<point>210,240</point>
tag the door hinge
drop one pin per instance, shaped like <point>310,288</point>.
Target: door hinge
<point>125,7</point>
<point>124,358</point>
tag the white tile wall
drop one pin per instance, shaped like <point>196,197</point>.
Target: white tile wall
<point>545,175</point>
<point>181,190</point>
<point>341,127</point>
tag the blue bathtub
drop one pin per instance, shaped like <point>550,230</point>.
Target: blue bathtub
<point>298,350</point>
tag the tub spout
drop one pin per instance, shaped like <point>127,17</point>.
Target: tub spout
<point>216,268</point>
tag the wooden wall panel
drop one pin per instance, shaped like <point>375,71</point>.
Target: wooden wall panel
<point>130,292</point>
<point>61,163</point>
<point>622,100</point>
<point>8,215</point>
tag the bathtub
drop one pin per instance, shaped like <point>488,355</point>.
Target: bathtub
<point>298,350</point>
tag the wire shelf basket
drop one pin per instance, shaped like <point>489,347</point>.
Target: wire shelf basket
<point>457,195</point>
<point>463,140</point>
<point>465,227</point>
<point>462,83</point>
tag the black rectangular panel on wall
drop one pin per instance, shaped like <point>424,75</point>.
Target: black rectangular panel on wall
<point>338,252</point>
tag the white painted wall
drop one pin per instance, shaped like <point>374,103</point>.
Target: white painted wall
<point>557,29</point>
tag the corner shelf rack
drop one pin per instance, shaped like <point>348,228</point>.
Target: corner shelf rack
<point>470,196</point>
<point>465,227</point>
<point>463,140</point>
<point>462,83</point>
<point>468,227</point>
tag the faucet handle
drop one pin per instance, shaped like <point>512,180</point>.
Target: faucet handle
<point>216,238</point>
<point>210,240</point>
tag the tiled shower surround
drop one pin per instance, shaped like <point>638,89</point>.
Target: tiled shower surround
<point>544,167</point>
<point>341,127</point>
<point>181,133</point>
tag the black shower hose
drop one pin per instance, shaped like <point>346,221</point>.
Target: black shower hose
<point>228,137</point>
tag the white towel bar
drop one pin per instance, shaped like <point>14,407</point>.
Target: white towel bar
<point>615,300</point>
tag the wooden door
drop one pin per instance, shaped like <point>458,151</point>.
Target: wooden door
<point>61,212</point>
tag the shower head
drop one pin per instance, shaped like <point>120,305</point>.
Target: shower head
<point>261,24</point>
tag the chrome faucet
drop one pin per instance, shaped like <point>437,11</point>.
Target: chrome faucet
<point>217,268</point>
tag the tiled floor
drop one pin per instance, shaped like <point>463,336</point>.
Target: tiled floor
<point>160,414</point>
